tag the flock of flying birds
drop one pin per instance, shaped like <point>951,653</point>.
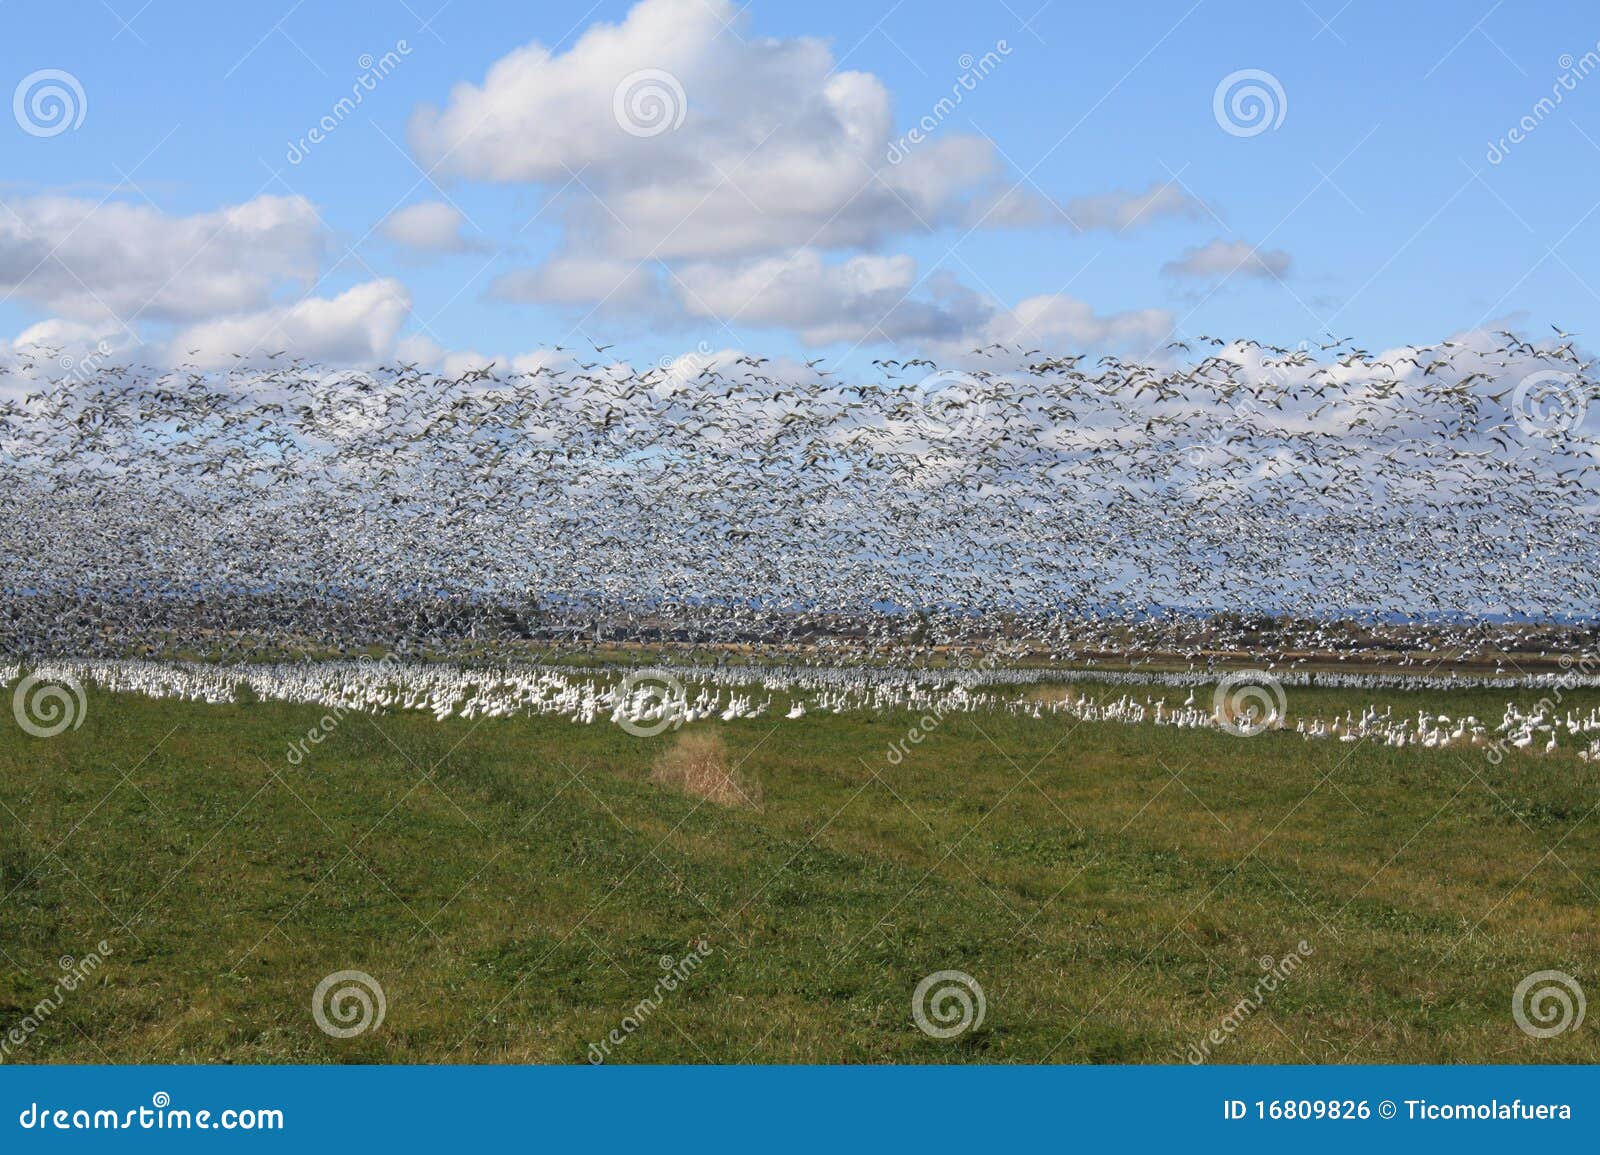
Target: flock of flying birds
<point>1321,502</point>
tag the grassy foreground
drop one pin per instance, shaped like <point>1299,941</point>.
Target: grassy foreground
<point>517,885</point>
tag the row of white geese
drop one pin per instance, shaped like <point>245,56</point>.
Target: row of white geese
<point>1539,728</point>
<point>653,699</point>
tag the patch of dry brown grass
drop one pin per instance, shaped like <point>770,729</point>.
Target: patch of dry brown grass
<point>1250,716</point>
<point>1054,695</point>
<point>697,763</point>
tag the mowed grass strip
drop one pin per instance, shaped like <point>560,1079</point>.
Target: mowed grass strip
<point>519,887</point>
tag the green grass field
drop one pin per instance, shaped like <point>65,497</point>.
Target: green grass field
<point>514,884</point>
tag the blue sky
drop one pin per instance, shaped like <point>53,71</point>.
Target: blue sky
<point>1371,208</point>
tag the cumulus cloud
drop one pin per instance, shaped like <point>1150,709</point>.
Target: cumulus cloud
<point>773,143</point>
<point>774,147</point>
<point>1124,210</point>
<point>130,279</point>
<point>1054,321</point>
<point>357,326</point>
<point>701,171</point>
<point>67,336</point>
<point>883,298</point>
<point>431,226</point>
<point>862,298</point>
<point>91,261</point>
<point>1117,211</point>
<point>52,350</point>
<point>1220,258</point>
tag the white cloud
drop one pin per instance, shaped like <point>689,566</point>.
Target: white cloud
<point>93,261</point>
<point>1054,322</point>
<point>1120,211</point>
<point>54,349</point>
<point>1117,211</point>
<point>1220,258</point>
<point>773,143</point>
<point>433,357</point>
<point>863,298</point>
<point>879,298</point>
<point>866,298</point>
<point>432,226</point>
<point>67,336</point>
<point>774,146</point>
<point>358,326</point>
<point>766,159</point>
<point>134,280</point>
